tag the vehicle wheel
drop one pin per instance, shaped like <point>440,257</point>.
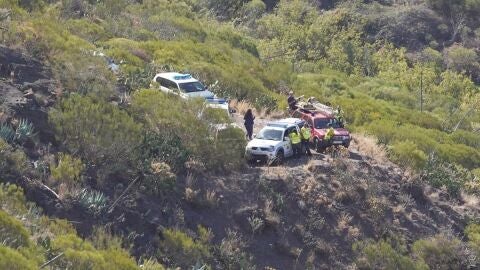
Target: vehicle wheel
<point>279,157</point>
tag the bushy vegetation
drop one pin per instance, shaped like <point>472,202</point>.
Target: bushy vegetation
<point>101,133</point>
<point>52,237</point>
<point>442,251</point>
<point>184,134</point>
<point>406,72</point>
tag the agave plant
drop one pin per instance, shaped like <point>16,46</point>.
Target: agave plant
<point>7,133</point>
<point>94,201</point>
<point>24,130</point>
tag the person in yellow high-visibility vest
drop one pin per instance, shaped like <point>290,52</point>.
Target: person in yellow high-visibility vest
<point>296,143</point>
<point>329,135</point>
<point>305,132</point>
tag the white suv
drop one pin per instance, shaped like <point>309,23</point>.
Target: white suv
<point>183,85</point>
<point>272,142</point>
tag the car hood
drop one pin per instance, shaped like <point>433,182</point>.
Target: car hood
<point>204,94</point>
<point>341,132</point>
<point>262,143</point>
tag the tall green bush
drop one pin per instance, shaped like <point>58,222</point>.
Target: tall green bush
<point>106,137</point>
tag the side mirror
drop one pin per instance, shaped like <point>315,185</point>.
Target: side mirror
<point>287,139</point>
<point>254,135</point>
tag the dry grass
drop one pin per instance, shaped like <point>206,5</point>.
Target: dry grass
<point>344,222</point>
<point>242,106</point>
<point>211,198</point>
<point>367,145</point>
<point>271,217</point>
<point>191,195</point>
<point>353,233</point>
<point>470,200</point>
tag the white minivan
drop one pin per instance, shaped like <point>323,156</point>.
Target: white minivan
<point>272,143</point>
<point>183,85</point>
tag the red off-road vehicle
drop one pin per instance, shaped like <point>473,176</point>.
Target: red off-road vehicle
<point>321,121</point>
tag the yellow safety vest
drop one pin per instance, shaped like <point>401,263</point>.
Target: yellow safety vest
<point>329,135</point>
<point>294,138</point>
<point>305,133</point>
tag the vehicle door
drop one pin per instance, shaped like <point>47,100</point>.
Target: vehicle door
<point>287,144</point>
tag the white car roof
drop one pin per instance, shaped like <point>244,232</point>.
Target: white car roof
<point>285,123</point>
<point>292,121</point>
<point>274,127</point>
<point>176,77</point>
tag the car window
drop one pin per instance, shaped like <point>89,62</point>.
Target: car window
<point>192,87</point>
<point>171,85</point>
<point>309,121</point>
<point>270,134</point>
<point>322,123</point>
<point>167,83</point>
<point>162,81</point>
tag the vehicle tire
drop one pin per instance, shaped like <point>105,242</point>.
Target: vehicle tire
<point>279,157</point>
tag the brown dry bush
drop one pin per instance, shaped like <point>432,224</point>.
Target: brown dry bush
<point>368,146</point>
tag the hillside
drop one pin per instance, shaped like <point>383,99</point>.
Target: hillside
<point>100,170</point>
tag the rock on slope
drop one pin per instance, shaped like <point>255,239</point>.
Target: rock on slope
<point>27,88</point>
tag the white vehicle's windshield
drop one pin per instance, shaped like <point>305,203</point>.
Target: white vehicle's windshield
<point>270,134</point>
<point>192,87</point>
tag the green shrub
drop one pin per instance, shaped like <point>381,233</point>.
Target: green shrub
<point>80,254</point>
<point>184,135</point>
<point>165,146</point>
<point>229,148</point>
<point>13,234</point>
<point>441,174</point>
<point>382,255</point>
<point>182,249</point>
<point>406,154</point>
<point>13,162</point>
<point>472,232</point>
<point>441,252</point>
<point>102,134</point>
<point>12,199</point>
<point>68,170</point>
<point>13,260</point>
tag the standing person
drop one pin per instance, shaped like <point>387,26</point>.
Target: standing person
<point>305,132</point>
<point>249,121</point>
<point>292,101</point>
<point>296,143</point>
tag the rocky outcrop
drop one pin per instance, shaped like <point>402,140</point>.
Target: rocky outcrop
<point>27,89</point>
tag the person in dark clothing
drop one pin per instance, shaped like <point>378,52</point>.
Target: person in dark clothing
<point>249,123</point>
<point>292,101</point>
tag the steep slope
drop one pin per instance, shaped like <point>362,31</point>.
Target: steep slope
<point>306,213</point>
